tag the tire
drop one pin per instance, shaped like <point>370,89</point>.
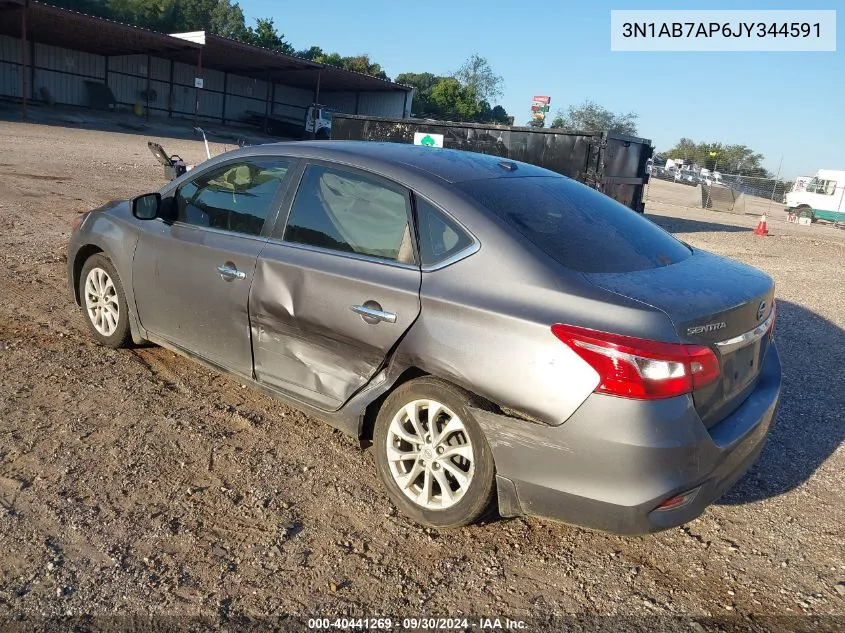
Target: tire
<point>468,472</point>
<point>104,296</point>
<point>805,212</point>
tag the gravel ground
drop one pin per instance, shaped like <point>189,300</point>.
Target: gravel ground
<point>138,483</point>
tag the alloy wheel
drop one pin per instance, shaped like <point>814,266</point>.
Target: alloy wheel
<point>430,454</point>
<point>101,301</point>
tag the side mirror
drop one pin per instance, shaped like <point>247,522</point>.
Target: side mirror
<point>146,207</point>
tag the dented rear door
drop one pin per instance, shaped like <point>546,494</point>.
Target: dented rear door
<point>335,288</point>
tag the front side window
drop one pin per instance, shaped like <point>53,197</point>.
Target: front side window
<point>236,197</point>
<point>351,213</point>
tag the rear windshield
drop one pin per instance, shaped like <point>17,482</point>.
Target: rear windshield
<point>577,226</point>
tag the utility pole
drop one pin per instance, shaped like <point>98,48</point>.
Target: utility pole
<point>775,185</point>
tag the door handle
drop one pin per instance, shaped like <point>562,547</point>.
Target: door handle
<point>230,273</point>
<point>373,315</point>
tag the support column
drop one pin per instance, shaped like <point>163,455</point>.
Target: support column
<point>267,102</point>
<point>197,90</point>
<point>313,133</point>
<point>170,95</point>
<point>148,87</point>
<point>225,94</point>
<point>32,69</point>
<point>24,64</point>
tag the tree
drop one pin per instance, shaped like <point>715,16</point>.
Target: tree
<point>227,20</point>
<point>591,117</point>
<point>499,115</point>
<point>422,84</point>
<point>454,100</point>
<point>356,63</point>
<point>447,97</point>
<point>221,17</point>
<point>734,159</point>
<point>685,149</point>
<point>151,14</point>
<point>476,74</point>
<point>310,53</point>
<point>265,34</point>
<point>363,64</point>
<point>421,81</point>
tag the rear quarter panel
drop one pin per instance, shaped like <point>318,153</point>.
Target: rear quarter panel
<point>485,323</point>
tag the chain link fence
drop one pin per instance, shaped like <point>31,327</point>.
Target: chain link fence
<point>727,192</point>
<point>735,193</point>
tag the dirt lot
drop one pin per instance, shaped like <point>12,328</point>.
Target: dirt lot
<point>137,482</point>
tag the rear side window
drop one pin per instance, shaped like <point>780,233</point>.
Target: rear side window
<point>577,226</point>
<point>440,237</point>
<point>237,197</point>
<point>351,213</point>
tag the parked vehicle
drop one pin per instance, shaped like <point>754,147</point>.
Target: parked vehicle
<point>675,164</point>
<point>506,336</point>
<point>688,177</point>
<point>611,163</point>
<point>317,122</point>
<point>663,174</point>
<point>822,198</point>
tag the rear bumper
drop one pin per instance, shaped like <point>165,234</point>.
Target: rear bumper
<point>615,460</point>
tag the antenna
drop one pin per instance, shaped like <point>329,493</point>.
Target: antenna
<point>201,131</point>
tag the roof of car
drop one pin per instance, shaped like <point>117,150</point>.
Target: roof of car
<point>447,164</point>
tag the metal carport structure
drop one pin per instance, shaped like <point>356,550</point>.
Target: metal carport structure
<point>55,45</point>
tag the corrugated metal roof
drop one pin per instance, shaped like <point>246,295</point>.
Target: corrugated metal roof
<point>57,26</point>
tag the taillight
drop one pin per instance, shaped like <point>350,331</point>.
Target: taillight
<point>639,368</point>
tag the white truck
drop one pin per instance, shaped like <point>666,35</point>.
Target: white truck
<point>318,121</point>
<point>821,198</point>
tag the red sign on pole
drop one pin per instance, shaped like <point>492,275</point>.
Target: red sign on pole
<point>541,99</point>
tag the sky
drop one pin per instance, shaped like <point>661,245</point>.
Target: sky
<point>782,105</point>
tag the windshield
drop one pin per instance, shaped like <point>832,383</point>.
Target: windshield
<point>577,226</point>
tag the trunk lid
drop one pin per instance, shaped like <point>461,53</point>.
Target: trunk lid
<point>711,301</point>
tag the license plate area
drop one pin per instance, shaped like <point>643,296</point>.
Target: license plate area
<point>741,366</point>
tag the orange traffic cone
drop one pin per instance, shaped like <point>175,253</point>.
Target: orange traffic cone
<point>761,227</point>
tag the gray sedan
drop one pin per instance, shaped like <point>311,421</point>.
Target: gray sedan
<point>506,337</point>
